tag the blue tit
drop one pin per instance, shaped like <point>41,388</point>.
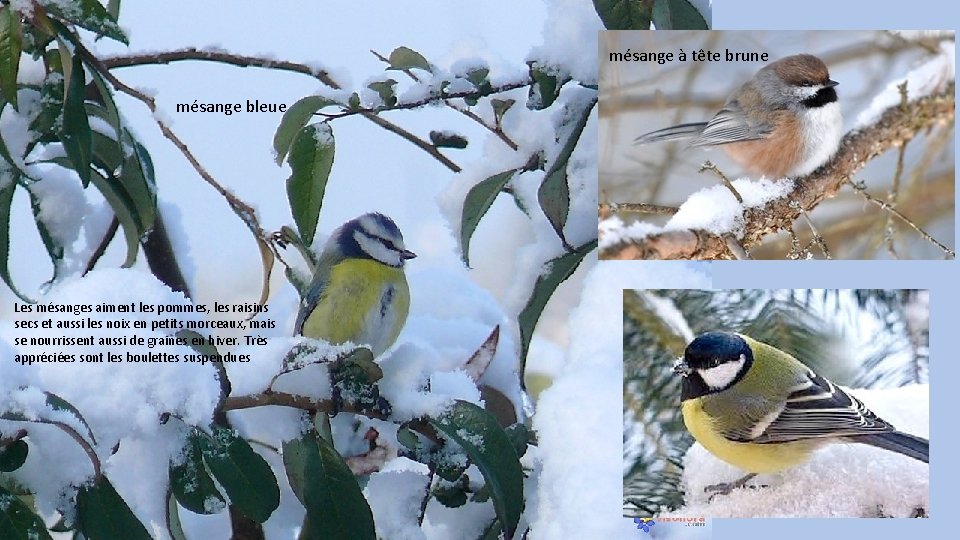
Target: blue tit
<point>359,292</point>
<point>761,410</point>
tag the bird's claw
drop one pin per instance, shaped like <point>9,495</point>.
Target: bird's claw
<point>727,487</point>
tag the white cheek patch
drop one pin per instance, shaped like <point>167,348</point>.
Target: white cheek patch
<point>822,129</point>
<point>370,223</point>
<point>721,376</point>
<point>375,248</point>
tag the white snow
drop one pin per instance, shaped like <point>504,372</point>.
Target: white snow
<point>925,79</point>
<point>121,402</point>
<point>582,412</point>
<point>840,480</point>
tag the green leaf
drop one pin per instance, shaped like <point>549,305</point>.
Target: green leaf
<point>353,102</point>
<point>190,482</point>
<point>500,107</point>
<point>107,104</point>
<point>17,520</point>
<point>492,532</point>
<point>554,192</point>
<point>243,474</point>
<point>174,526</point>
<point>520,436</point>
<point>89,14</point>
<point>356,376</point>
<point>311,159</point>
<point>11,45</point>
<point>6,202</point>
<point>677,15</point>
<point>358,366</point>
<point>53,247</point>
<point>51,98</point>
<point>13,456</point>
<point>406,58</point>
<point>136,176</point>
<point>113,8</point>
<point>544,90</point>
<point>75,133</point>
<point>625,14</point>
<point>475,205</point>
<point>556,271</point>
<point>443,139</point>
<point>408,438</point>
<point>125,210</point>
<point>386,91</point>
<point>489,448</point>
<point>107,153</point>
<point>451,495</point>
<point>59,404</point>
<point>294,119</point>
<point>327,489</point>
<point>103,515</point>
<point>478,77</point>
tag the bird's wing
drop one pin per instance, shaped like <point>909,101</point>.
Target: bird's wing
<point>817,408</point>
<point>731,125</point>
<point>318,284</point>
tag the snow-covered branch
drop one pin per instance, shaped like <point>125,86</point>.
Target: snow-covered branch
<point>894,128</point>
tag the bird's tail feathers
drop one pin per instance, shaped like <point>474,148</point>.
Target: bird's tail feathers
<point>897,441</point>
<point>683,131</point>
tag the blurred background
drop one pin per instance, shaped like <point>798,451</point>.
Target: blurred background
<point>639,97</point>
<point>864,338</point>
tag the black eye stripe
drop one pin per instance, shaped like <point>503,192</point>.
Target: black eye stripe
<point>387,243</point>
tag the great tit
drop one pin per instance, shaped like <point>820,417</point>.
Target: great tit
<point>761,410</point>
<point>359,292</point>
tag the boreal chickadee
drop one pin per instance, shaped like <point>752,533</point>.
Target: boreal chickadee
<point>761,410</point>
<point>785,121</point>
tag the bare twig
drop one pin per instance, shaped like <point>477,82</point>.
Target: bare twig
<point>817,238</point>
<point>417,141</point>
<point>886,206</point>
<point>261,62</point>
<point>304,403</point>
<point>220,57</point>
<point>709,166</point>
<point>492,129</point>
<point>897,175</point>
<point>244,211</point>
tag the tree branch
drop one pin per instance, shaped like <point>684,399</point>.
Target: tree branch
<point>295,401</point>
<point>221,57</point>
<point>894,129</point>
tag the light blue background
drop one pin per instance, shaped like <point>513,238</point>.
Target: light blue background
<point>940,277</point>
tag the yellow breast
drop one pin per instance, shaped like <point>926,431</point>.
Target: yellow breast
<point>751,457</point>
<point>364,302</point>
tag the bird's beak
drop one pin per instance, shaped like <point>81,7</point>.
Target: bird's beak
<point>407,254</point>
<point>830,83</point>
<point>680,367</point>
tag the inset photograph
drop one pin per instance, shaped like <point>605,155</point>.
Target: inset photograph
<point>777,145</point>
<point>774,403</point>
